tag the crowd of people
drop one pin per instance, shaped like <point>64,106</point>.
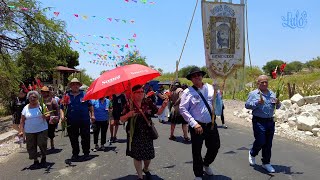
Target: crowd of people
<point>36,116</point>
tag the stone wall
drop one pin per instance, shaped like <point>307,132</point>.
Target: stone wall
<point>298,113</point>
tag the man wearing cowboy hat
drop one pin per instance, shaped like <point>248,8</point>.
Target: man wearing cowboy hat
<point>78,118</point>
<point>196,107</point>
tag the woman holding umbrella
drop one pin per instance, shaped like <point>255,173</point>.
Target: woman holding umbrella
<point>139,143</point>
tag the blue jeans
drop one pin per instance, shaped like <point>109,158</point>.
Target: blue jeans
<point>263,134</point>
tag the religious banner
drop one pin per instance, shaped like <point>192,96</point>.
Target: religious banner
<point>223,33</point>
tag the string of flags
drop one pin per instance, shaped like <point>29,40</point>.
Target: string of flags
<point>110,64</point>
<point>109,19</point>
<point>77,16</point>
<point>142,1</point>
<point>104,45</point>
<point>131,40</point>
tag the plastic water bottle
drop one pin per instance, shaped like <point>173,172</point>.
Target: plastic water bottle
<point>20,141</point>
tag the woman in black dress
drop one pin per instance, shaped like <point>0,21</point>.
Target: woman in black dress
<point>139,143</point>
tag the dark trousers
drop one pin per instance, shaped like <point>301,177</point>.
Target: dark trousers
<point>51,130</point>
<point>212,142</point>
<point>222,115</point>
<point>37,139</point>
<point>82,129</point>
<point>263,134</point>
<point>103,125</point>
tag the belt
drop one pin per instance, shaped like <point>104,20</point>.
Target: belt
<point>262,119</point>
<point>204,124</point>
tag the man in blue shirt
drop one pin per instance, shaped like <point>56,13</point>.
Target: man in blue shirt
<point>262,102</point>
<point>195,111</point>
<point>78,117</point>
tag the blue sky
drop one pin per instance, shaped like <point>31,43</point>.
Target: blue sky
<point>161,29</point>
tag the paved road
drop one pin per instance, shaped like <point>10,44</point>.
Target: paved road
<point>173,160</point>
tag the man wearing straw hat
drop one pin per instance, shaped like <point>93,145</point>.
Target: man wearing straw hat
<point>78,118</point>
<point>196,109</point>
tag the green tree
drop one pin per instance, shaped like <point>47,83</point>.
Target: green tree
<point>20,28</point>
<point>9,79</point>
<point>294,66</point>
<point>135,58</point>
<point>252,73</point>
<point>271,65</point>
<point>314,63</point>
<point>183,72</point>
<point>83,77</point>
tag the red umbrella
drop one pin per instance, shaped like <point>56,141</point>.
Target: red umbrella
<point>119,80</point>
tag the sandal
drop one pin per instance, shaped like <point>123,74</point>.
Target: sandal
<point>148,174</point>
<point>172,138</point>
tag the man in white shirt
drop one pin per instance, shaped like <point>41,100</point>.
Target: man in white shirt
<point>198,114</point>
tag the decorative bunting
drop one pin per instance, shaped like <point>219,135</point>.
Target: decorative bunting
<point>56,13</point>
<point>141,1</point>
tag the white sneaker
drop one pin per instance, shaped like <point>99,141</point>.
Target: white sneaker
<point>252,160</point>
<point>198,178</point>
<point>269,168</point>
<point>208,170</point>
<point>96,148</point>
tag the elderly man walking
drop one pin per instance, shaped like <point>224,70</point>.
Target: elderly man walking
<point>262,102</point>
<point>196,107</point>
<point>78,117</point>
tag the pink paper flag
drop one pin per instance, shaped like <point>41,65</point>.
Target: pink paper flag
<point>56,13</point>
<point>127,46</point>
<point>134,35</point>
<point>110,19</point>
<point>76,15</point>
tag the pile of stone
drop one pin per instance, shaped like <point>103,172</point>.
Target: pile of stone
<point>298,113</point>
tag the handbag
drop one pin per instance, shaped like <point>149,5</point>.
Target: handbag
<point>153,133</point>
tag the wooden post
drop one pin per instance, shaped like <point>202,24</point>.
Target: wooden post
<point>291,90</point>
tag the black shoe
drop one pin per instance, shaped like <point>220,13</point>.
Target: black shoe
<point>115,139</point>
<point>74,157</point>
<point>148,174</point>
<point>86,157</point>
<point>35,165</point>
<point>43,162</point>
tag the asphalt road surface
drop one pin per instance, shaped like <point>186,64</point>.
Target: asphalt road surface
<point>173,160</point>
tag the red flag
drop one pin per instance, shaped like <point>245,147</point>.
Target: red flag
<point>127,46</point>
<point>274,74</point>
<point>76,15</point>
<point>282,67</point>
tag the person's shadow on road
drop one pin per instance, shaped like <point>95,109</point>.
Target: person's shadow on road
<point>47,166</point>
<point>278,169</point>
<point>216,177</point>
<point>134,177</point>
<point>53,151</point>
<point>80,159</point>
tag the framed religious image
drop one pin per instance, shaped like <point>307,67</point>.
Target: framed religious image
<point>222,35</point>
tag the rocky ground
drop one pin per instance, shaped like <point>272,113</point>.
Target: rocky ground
<point>281,129</point>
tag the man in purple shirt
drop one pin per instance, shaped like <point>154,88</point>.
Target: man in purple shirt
<point>262,102</point>
<point>195,111</point>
